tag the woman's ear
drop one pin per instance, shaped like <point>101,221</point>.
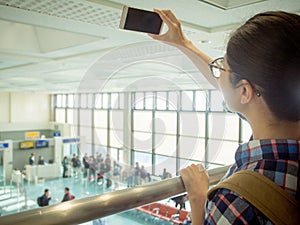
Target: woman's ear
<point>246,91</point>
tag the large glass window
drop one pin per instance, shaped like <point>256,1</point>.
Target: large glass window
<point>179,123</point>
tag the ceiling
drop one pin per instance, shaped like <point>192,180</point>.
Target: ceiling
<point>67,46</point>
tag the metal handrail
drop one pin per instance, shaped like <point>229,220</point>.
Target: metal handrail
<point>90,208</point>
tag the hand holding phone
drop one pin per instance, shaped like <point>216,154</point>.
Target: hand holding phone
<point>140,20</point>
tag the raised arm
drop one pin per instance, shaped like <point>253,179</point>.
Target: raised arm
<point>175,37</point>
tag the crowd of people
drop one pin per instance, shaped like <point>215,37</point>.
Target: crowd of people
<point>108,171</point>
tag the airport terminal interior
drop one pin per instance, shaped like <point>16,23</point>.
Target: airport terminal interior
<point>98,109</point>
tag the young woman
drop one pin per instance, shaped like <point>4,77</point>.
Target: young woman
<point>259,77</point>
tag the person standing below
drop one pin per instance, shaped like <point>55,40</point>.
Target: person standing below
<point>31,159</point>
<point>86,165</point>
<point>68,196</point>
<point>41,160</point>
<point>74,165</point>
<point>65,163</point>
<point>45,198</point>
<point>116,174</point>
<point>259,77</point>
<point>78,169</point>
<point>143,174</point>
<point>165,174</point>
<point>137,174</point>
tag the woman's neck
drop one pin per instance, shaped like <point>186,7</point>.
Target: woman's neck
<point>276,130</point>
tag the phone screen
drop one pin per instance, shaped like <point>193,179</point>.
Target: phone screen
<point>142,20</point>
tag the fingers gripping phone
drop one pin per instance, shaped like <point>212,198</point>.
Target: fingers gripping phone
<point>140,20</point>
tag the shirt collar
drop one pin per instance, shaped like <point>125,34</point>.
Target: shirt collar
<point>267,149</point>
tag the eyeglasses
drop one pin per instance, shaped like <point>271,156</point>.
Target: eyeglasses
<point>216,66</point>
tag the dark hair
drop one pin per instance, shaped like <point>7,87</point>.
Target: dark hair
<point>67,189</point>
<point>266,52</point>
<point>46,190</point>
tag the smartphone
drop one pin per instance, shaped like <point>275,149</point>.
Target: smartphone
<point>140,20</point>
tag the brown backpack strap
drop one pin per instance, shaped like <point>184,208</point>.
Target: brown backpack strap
<point>270,199</point>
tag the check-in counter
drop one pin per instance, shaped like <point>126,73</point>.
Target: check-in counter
<point>42,171</point>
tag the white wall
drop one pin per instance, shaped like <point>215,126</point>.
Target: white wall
<point>25,107</point>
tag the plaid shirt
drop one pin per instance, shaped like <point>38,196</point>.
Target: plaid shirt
<point>276,159</point>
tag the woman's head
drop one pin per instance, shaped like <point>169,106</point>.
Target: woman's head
<point>266,52</point>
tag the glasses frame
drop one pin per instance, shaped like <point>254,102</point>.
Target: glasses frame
<point>212,66</point>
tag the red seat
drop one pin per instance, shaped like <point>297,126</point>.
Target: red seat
<point>182,216</point>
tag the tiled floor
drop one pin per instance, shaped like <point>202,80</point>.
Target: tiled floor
<point>80,187</point>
